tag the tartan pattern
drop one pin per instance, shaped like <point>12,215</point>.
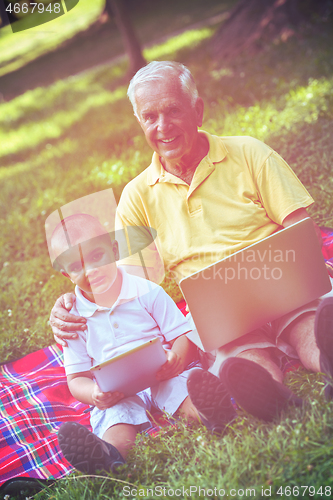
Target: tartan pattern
<point>327,248</point>
<point>35,401</point>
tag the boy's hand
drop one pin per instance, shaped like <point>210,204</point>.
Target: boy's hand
<point>104,400</point>
<point>172,368</point>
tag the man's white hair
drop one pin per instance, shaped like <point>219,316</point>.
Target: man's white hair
<point>156,71</point>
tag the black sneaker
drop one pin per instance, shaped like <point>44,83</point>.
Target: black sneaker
<point>22,487</point>
<point>87,452</point>
<point>254,389</point>
<point>211,399</point>
<point>324,339</point>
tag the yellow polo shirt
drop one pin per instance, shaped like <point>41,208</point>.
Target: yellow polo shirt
<point>240,193</point>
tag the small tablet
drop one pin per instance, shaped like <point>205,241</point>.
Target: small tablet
<point>133,371</point>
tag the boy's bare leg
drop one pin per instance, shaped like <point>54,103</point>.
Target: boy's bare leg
<point>188,410</point>
<point>122,436</point>
<point>263,358</point>
<point>302,337</point>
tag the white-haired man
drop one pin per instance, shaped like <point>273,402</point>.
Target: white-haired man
<point>207,197</point>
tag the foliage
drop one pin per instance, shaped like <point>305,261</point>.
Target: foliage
<point>85,37</point>
<point>33,42</point>
<point>78,136</point>
<point>294,451</point>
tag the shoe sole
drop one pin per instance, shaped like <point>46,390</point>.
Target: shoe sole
<point>324,339</point>
<point>211,399</point>
<point>85,451</point>
<point>254,389</point>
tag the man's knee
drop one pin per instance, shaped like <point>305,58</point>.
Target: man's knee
<point>301,330</point>
<point>263,358</point>
<point>256,355</point>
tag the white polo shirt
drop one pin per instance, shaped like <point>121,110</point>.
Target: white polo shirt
<point>142,312</point>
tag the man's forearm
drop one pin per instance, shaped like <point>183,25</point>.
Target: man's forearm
<point>299,215</point>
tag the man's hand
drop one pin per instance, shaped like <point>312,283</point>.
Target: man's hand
<point>104,400</point>
<point>172,367</point>
<point>62,323</point>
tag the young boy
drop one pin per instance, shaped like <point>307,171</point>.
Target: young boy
<point>122,312</point>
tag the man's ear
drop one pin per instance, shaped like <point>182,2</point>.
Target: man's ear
<point>199,110</point>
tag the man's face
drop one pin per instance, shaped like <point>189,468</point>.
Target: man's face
<point>91,264</point>
<point>169,121</point>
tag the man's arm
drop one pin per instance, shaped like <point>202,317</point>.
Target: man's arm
<point>299,215</point>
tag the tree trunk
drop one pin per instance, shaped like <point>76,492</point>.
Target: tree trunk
<point>254,23</point>
<point>131,42</point>
<point>3,14</point>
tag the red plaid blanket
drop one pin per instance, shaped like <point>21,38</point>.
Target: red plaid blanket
<point>327,249</point>
<point>35,401</point>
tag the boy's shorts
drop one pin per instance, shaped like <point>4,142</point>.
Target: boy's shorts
<point>269,335</point>
<point>166,396</point>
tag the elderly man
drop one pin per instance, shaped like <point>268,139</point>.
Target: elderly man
<point>207,197</point>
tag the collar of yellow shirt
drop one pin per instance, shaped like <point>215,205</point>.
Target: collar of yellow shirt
<point>217,152</point>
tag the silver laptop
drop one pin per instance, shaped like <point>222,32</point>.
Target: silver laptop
<point>255,285</point>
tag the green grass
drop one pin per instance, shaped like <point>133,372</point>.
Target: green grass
<point>251,457</point>
<point>32,41</point>
<point>78,136</point>
<point>83,38</point>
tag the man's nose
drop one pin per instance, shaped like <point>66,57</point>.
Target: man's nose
<point>163,123</point>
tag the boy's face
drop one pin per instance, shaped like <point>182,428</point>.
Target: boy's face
<point>91,264</point>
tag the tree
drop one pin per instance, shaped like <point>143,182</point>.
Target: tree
<point>119,10</point>
<point>5,16</point>
<point>254,23</point>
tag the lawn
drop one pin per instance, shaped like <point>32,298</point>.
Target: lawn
<point>84,38</point>
<point>76,136</point>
